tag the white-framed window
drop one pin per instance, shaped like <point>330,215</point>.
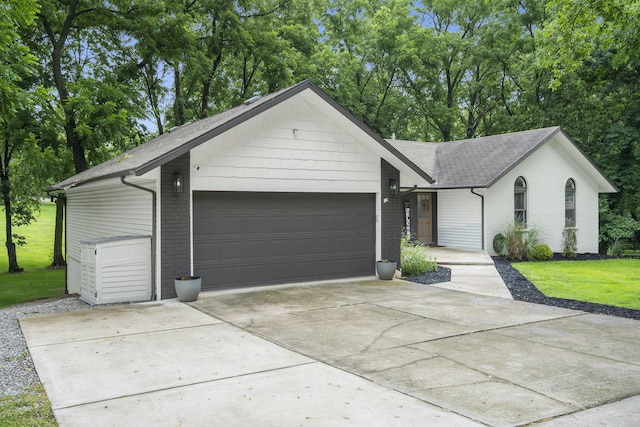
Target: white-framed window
<point>520,201</point>
<point>570,203</point>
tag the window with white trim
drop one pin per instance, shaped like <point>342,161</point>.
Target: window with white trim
<point>570,203</point>
<point>520,201</point>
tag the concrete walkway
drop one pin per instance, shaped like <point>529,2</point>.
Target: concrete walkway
<point>365,353</point>
<point>471,271</point>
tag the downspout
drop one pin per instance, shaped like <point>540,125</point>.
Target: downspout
<point>154,296</point>
<point>482,215</point>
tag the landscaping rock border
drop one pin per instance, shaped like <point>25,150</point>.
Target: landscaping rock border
<point>443,274</point>
<point>523,290</point>
<point>17,372</point>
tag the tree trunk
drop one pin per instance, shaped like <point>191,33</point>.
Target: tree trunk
<point>178,106</point>
<point>74,140</point>
<point>58,256</point>
<point>11,246</point>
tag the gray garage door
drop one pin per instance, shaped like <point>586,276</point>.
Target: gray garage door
<point>245,239</point>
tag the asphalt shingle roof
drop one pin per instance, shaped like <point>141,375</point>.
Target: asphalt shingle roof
<point>177,141</point>
<point>180,140</point>
<point>476,162</point>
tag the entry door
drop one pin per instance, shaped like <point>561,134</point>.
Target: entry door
<point>425,217</point>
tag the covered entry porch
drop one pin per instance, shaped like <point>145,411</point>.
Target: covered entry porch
<point>452,218</point>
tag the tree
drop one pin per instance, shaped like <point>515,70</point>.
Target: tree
<point>199,58</point>
<point>357,60</point>
<point>15,65</point>
<point>79,49</point>
<point>592,47</point>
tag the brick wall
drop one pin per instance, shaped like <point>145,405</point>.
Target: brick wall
<point>175,251</point>
<point>392,215</point>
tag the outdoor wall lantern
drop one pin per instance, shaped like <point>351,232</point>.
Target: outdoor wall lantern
<point>394,189</point>
<point>178,184</point>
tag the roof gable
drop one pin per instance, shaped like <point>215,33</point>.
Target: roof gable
<point>182,139</point>
<point>481,162</point>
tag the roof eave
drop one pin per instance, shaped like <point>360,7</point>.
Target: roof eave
<point>243,117</point>
<point>458,187</point>
<point>224,127</point>
<point>65,188</point>
<point>525,156</point>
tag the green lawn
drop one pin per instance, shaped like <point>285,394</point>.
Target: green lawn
<point>612,282</point>
<point>36,282</point>
<point>27,410</point>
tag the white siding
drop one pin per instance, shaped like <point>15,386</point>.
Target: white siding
<point>291,147</point>
<point>459,219</point>
<point>546,172</point>
<point>105,209</point>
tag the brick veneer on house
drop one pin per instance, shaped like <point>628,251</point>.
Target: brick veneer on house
<point>391,215</point>
<point>174,229</point>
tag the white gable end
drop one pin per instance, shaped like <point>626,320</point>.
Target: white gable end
<point>291,147</point>
<point>546,172</point>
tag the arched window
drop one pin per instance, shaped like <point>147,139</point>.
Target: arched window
<point>570,203</point>
<point>520,201</point>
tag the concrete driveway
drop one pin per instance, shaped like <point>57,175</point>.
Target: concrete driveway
<point>369,352</point>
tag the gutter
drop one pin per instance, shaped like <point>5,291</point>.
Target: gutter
<point>481,215</point>
<point>154,296</point>
<point>411,190</point>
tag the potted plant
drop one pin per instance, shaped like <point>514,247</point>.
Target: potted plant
<point>187,287</point>
<point>386,269</point>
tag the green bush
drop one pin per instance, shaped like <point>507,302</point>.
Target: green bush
<point>499,243</point>
<point>569,242</point>
<point>615,248</point>
<point>519,241</point>
<point>414,259</point>
<point>542,252</point>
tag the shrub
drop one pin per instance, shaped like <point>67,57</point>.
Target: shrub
<point>542,252</point>
<point>499,243</point>
<point>569,242</point>
<point>530,241</point>
<point>519,241</point>
<point>514,242</point>
<point>615,248</point>
<point>414,259</point>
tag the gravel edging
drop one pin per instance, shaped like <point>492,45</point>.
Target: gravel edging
<point>523,290</point>
<point>17,372</point>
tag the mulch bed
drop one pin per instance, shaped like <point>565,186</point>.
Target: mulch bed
<point>523,290</point>
<point>443,274</point>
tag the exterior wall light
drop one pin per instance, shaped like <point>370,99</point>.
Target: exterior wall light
<point>394,188</point>
<point>178,183</point>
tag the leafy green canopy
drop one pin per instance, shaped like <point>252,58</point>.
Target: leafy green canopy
<point>116,72</point>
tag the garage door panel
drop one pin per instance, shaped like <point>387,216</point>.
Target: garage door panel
<point>272,271</point>
<point>243,239</point>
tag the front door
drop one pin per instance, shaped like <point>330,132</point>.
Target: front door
<point>425,217</point>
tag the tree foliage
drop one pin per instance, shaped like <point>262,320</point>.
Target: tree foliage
<point>109,74</point>
<point>16,105</point>
<point>594,55</point>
